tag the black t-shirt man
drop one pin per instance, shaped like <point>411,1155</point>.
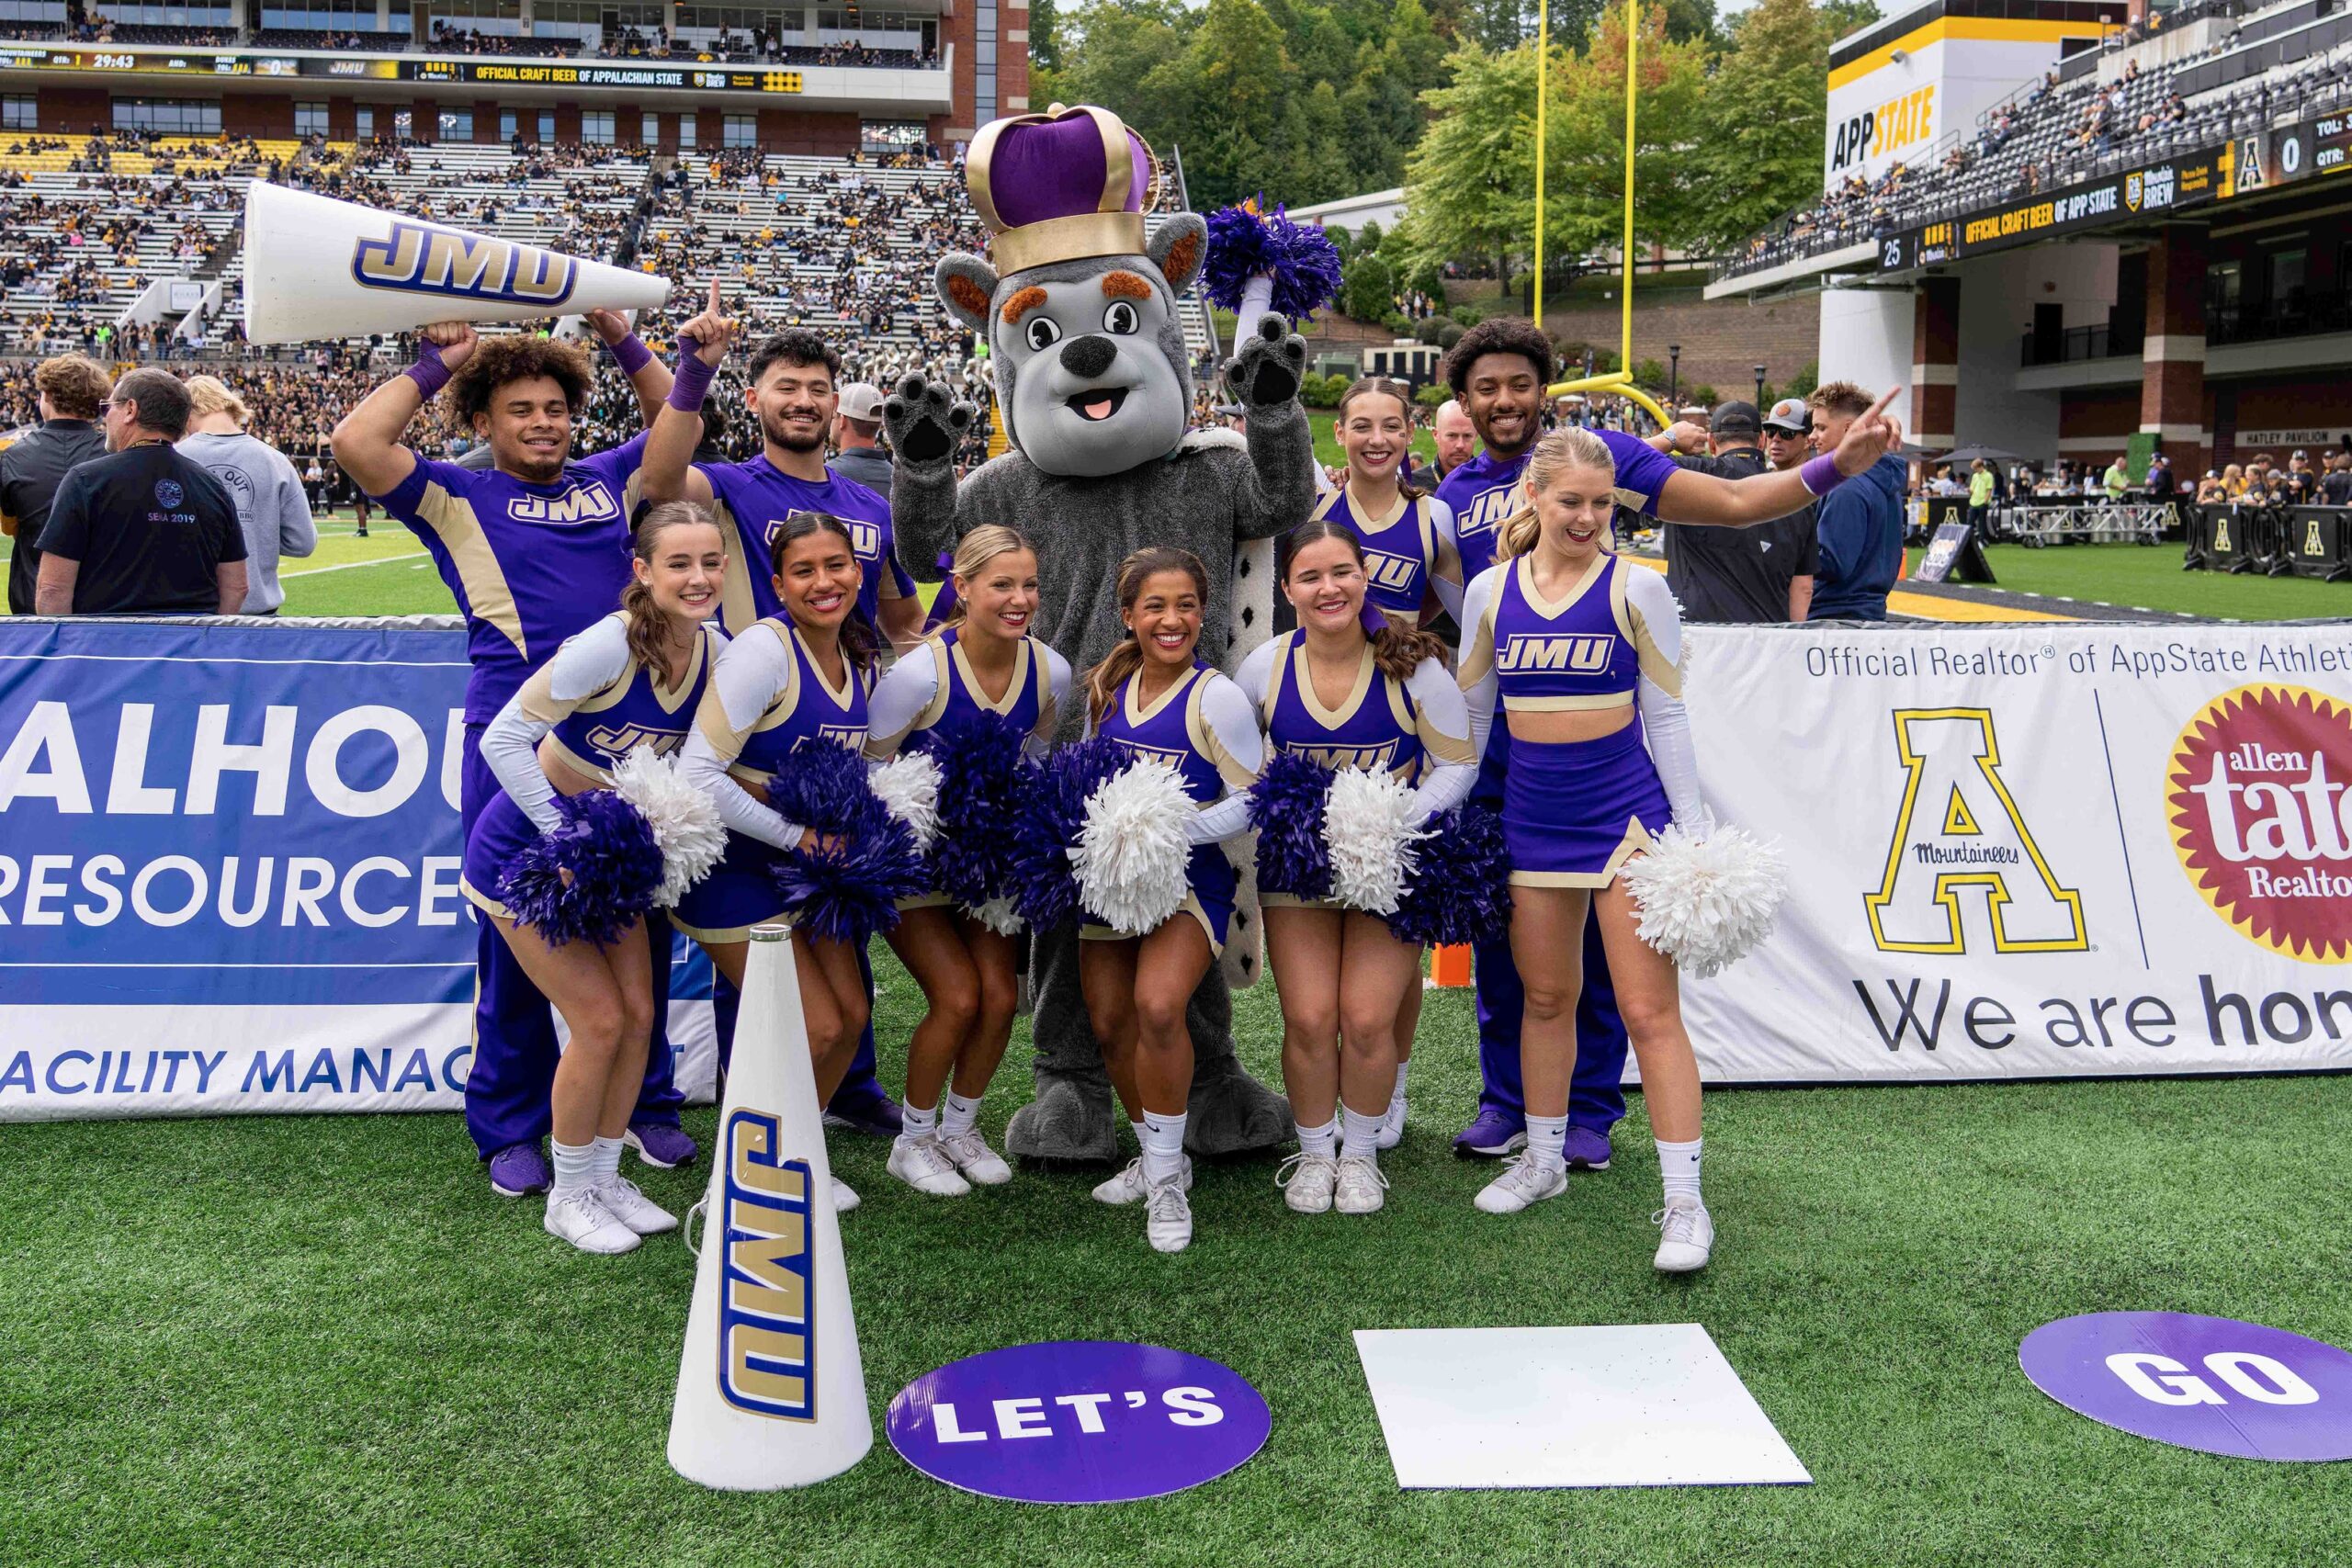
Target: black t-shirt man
<point>30,472</point>
<point>151,530</point>
<point>1739,576</point>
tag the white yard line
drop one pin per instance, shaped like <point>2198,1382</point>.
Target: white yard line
<point>351,565</point>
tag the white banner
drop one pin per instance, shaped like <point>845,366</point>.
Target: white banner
<point>2026,851</point>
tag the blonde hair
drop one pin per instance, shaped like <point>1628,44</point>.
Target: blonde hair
<point>210,395</point>
<point>1570,447</point>
<point>975,550</point>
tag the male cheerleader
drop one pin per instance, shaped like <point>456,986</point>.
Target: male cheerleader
<point>535,548</point>
<point>1499,371</point>
<point>793,393</point>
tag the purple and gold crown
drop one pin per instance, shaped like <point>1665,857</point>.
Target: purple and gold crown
<point>1061,185</point>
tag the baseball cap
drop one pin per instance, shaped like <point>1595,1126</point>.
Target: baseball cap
<point>1735,418</point>
<point>1788,414</point>
<point>1228,410</point>
<point>862,399</point>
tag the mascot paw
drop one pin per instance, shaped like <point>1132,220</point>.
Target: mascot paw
<point>1267,367</point>
<point>1231,1112</point>
<point>1072,1119</point>
<point>924,420</point>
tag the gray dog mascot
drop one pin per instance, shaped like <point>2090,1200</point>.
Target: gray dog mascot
<point>1079,310</point>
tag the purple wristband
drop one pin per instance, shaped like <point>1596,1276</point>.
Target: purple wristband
<point>1820,474</point>
<point>692,383</point>
<point>631,354</point>
<point>429,374</point>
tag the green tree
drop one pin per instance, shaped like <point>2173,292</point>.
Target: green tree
<point>1585,170</point>
<point>1842,16</point>
<point>1045,37</point>
<point>1469,187</point>
<point>1367,288</point>
<point>1761,153</point>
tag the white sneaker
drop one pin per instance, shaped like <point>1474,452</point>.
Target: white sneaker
<point>581,1219</point>
<point>1522,1182</point>
<point>1362,1188</point>
<point>1129,1187</point>
<point>634,1209</point>
<point>1392,1126</point>
<point>1686,1236</point>
<point>1167,1216</point>
<point>923,1165</point>
<point>844,1200</point>
<point>973,1156</point>
<point>1306,1181</point>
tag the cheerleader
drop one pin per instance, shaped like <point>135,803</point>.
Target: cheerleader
<point>980,660</point>
<point>1578,641</point>
<point>781,684</point>
<point>631,680</point>
<point>1154,696</point>
<point>1349,696</point>
<point>1411,563</point>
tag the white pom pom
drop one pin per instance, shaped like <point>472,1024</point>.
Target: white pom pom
<point>1131,854</point>
<point>909,784</point>
<point>997,915</point>
<point>1705,904</point>
<point>685,820</point>
<point>1368,827</point>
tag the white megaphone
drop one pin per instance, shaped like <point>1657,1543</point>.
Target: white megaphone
<point>771,1387</point>
<point>318,268</point>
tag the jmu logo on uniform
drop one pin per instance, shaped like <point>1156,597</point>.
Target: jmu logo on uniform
<point>1377,759</point>
<point>1387,570</point>
<point>767,1335</point>
<point>1577,654</point>
<point>588,502</point>
<point>1960,833</point>
<point>418,258</point>
<point>1486,510</point>
<point>617,740</point>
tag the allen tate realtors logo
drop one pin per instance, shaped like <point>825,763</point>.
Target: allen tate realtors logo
<point>2261,816</point>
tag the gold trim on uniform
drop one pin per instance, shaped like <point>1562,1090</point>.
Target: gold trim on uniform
<point>1666,678</point>
<point>1205,742</point>
<point>725,934</point>
<point>487,594</point>
<point>1302,672</point>
<point>1636,840</point>
<point>1551,610</point>
<point>1582,702</point>
<point>483,901</point>
<point>1095,930</point>
<point>738,611</point>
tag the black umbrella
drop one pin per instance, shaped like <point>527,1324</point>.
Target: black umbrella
<point>1970,455</point>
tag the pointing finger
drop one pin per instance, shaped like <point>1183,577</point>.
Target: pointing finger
<point>1884,398</point>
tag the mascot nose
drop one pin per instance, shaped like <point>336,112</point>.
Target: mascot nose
<point>1089,357</point>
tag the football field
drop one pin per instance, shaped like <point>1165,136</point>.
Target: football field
<point>321,1340</point>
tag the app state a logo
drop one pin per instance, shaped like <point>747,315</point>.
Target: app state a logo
<point>1961,859</point>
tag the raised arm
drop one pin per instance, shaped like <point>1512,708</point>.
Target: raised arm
<point>1278,486</point>
<point>1237,746</point>
<point>925,421</point>
<point>368,440</point>
<point>1687,496</point>
<point>668,471</point>
<point>648,377</point>
<point>1666,724</point>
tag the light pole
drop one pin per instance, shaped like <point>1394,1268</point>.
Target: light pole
<point>1759,386</point>
<point>1673,375</point>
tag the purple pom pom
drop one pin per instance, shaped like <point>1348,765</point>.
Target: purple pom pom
<point>1246,242</point>
<point>824,786</point>
<point>616,869</point>
<point>849,889</point>
<point>1459,890</point>
<point>980,786</point>
<point>1286,808</point>
<point>1053,809</point>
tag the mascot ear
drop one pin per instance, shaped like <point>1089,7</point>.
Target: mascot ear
<point>1179,248</point>
<point>966,285</point>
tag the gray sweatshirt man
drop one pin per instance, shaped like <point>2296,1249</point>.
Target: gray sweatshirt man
<point>271,505</point>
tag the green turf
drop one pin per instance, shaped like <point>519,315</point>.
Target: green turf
<point>2148,577</point>
<point>386,573</point>
<point>321,1340</point>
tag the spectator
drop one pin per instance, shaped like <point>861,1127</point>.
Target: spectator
<point>1758,574</point>
<point>857,439</point>
<point>71,391</point>
<point>2159,478</point>
<point>157,534</point>
<point>2117,481</point>
<point>1981,482</point>
<point>1861,527</point>
<point>1457,443</point>
<point>271,507</point>
<point>2303,479</point>
<point>2209,490</point>
<point>2234,481</point>
<point>2335,489</point>
<point>315,484</point>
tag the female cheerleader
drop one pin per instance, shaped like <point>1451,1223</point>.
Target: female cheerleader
<point>637,676</point>
<point>780,686</point>
<point>1381,700</point>
<point>981,660</point>
<point>1153,695</point>
<point>1410,555</point>
<point>1576,640</point>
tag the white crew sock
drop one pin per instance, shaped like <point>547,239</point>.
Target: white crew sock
<point>1679,1164</point>
<point>1360,1137</point>
<point>961,1117</point>
<point>608,1160</point>
<point>1547,1140</point>
<point>1319,1142</point>
<point>1138,1131</point>
<point>575,1168</point>
<point>915,1123</point>
<point>1163,1146</point>
<point>1396,1098</point>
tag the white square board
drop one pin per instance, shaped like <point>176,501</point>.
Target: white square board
<point>1652,1404</point>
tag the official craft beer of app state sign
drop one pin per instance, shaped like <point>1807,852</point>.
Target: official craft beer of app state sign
<point>2014,851</point>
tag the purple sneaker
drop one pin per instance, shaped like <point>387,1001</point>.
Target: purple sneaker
<point>1588,1148</point>
<point>874,1115</point>
<point>1494,1134</point>
<point>661,1145</point>
<point>518,1170</point>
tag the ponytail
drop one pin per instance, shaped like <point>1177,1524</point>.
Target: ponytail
<point>1570,447</point>
<point>1103,680</point>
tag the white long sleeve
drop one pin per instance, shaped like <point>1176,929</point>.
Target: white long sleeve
<point>1058,681</point>
<point>587,663</point>
<point>906,699</point>
<point>1237,746</point>
<point>1256,676</point>
<point>1445,566</point>
<point>1476,674</point>
<point>754,671</point>
<point>1444,723</point>
<point>1666,724</point>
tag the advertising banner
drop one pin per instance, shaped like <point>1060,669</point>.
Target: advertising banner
<point>2027,852</point>
<point>501,70</point>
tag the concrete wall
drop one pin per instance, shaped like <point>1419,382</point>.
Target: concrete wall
<point>1865,336</point>
<point>1998,296</point>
